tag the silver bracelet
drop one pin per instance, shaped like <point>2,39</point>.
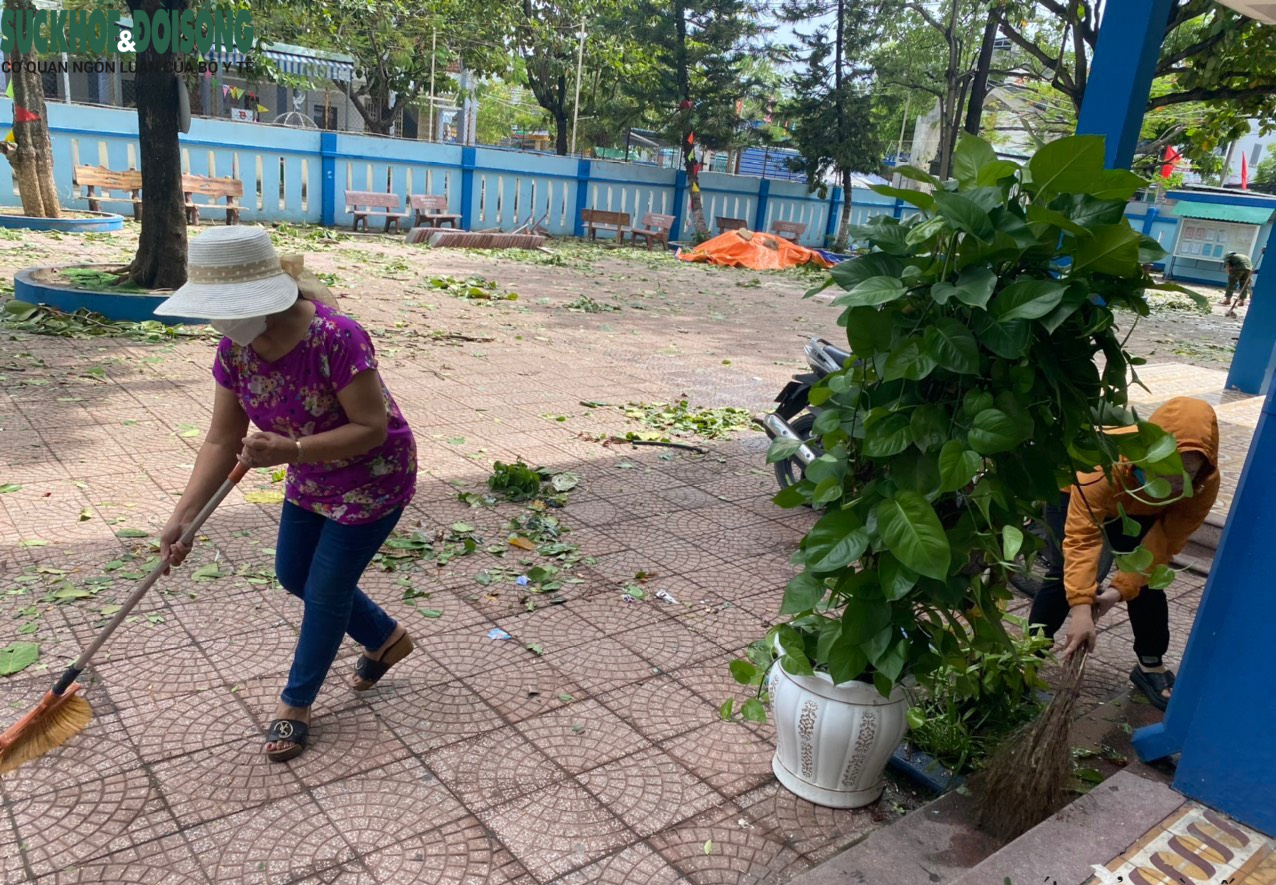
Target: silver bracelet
<point>297,460</point>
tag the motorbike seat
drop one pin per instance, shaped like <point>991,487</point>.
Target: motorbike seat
<point>841,356</point>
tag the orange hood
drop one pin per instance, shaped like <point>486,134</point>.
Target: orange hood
<point>1194,425</point>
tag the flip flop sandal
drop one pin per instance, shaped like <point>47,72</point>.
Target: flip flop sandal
<point>1152,684</point>
<point>293,730</point>
<point>371,671</point>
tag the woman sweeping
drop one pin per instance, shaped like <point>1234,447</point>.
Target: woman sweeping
<point>307,377</point>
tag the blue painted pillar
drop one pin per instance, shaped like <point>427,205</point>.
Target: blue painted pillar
<point>1221,716</point>
<point>1149,221</point>
<point>328,178</point>
<point>583,171</point>
<point>764,195</point>
<point>1254,362</point>
<point>469,160</point>
<point>1120,79</point>
<point>679,199</point>
<point>835,213</point>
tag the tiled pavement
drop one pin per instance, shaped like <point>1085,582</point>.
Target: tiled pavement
<point>600,760</point>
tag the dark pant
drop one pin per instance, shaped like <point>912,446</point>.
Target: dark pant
<point>321,562</point>
<point>1149,611</point>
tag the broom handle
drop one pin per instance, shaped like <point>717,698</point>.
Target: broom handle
<point>73,672</point>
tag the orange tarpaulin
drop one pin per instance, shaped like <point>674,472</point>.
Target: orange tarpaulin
<point>743,248</point>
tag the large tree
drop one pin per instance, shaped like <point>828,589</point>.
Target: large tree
<point>31,151</point>
<point>1217,68</point>
<point>697,71</point>
<point>160,262</point>
<point>393,42</point>
<point>831,108</point>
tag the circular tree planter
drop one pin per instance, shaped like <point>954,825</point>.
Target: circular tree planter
<point>74,222</point>
<point>42,285</point>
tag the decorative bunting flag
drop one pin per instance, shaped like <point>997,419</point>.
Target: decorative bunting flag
<point>225,90</point>
<point>22,115</point>
<point>8,90</point>
<point>9,138</point>
<point>262,109</point>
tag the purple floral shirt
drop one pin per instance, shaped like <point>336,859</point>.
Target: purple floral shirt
<point>296,396</point>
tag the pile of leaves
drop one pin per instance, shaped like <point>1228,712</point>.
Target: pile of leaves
<point>1179,301</point>
<point>681,420</point>
<point>585,304</point>
<point>42,320</point>
<point>472,289</point>
<point>98,279</point>
<point>519,482</point>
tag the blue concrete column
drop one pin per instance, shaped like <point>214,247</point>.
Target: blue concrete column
<point>328,178</point>
<point>764,195</point>
<point>469,159</point>
<point>1125,57</point>
<point>835,213</point>
<point>679,197</point>
<point>1221,716</point>
<point>583,170</point>
<point>1255,361</point>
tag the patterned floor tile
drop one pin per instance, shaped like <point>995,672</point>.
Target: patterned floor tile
<point>462,852</point>
<point>494,769</point>
<point>649,791</point>
<point>730,757</point>
<point>723,847</point>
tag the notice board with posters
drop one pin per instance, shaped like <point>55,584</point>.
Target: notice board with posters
<point>1211,240</point>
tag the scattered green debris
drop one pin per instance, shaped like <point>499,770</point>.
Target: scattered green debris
<point>1170,300</point>
<point>18,656</point>
<point>681,420</point>
<point>405,549</point>
<point>42,320</point>
<point>98,279</point>
<point>516,482</point>
<point>585,304</point>
<point>472,289</point>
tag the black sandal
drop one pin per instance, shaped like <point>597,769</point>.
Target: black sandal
<point>371,671</point>
<point>1152,684</point>
<point>292,730</point>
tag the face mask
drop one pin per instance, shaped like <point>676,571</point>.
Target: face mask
<point>242,332</point>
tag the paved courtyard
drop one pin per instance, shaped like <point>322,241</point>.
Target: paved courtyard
<point>587,748</point>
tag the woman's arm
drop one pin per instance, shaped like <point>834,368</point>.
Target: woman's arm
<point>216,459</point>
<point>368,419</point>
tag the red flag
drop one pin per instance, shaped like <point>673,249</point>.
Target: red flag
<point>22,115</point>
<point>1172,158</point>
<point>1244,173</point>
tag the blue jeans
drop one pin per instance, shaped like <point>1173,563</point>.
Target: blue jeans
<point>320,561</point>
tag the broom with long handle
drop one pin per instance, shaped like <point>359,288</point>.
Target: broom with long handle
<point>62,713</point>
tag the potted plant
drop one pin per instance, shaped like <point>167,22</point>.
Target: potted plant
<point>974,392</point>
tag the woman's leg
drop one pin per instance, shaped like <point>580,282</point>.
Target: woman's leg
<point>1050,607</point>
<point>299,531</point>
<point>334,601</point>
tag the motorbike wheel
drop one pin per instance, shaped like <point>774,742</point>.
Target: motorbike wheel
<point>1029,580</point>
<point>791,470</point>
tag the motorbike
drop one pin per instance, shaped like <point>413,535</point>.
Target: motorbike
<point>794,416</point>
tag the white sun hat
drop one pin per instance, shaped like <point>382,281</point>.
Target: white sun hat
<point>232,273</point>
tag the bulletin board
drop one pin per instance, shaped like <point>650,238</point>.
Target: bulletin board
<point>1211,240</point>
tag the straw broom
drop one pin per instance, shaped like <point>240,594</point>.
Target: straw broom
<point>1027,779</point>
<point>62,713</point>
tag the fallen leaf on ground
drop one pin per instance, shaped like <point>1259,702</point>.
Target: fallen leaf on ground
<point>266,496</point>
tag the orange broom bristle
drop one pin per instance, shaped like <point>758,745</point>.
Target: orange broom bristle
<point>53,722</point>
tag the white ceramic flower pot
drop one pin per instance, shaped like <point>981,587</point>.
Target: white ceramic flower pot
<point>833,740</point>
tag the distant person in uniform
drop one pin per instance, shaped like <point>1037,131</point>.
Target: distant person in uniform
<point>1240,276</point>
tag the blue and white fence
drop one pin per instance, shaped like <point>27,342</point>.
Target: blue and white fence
<point>300,176</point>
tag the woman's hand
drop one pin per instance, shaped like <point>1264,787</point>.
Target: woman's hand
<point>172,550</point>
<point>268,450</point>
<point>1081,632</point>
<point>1104,601</point>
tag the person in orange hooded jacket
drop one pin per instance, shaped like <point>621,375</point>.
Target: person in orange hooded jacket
<point>1089,516</point>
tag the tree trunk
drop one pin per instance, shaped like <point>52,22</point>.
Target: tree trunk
<point>686,107</point>
<point>160,262</point>
<point>31,152</point>
<point>844,225</point>
<point>560,132</point>
<point>979,86</point>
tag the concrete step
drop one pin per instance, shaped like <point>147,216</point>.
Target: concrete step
<point>1088,833</point>
<point>1198,555</point>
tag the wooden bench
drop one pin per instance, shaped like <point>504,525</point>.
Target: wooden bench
<point>430,210</point>
<point>654,229</point>
<point>595,220</point>
<point>788,230</point>
<point>374,204</point>
<point>128,181</point>
<point>229,189</point>
<point>726,224</point>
